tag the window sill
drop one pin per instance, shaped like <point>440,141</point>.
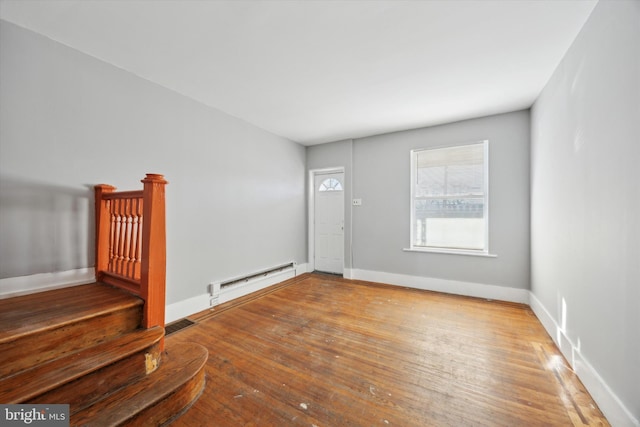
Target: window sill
<point>451,252</point>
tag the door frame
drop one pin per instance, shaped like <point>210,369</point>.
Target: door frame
<point>311,236</point>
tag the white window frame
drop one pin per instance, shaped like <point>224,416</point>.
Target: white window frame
<point>477,252</point>
<point>330,184</point>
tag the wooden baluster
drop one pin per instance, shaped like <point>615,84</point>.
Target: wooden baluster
<point>123,236</point>
<point>103,226</point>
<point>128,272</point>
<point>112,235</point>
<point>135,239</point>
<point>153,274</point>
<point>114,230</point>
<point>140,228</point>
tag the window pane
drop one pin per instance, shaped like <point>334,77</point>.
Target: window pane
<point>330,184</point>
<point>454,171</point>
<point>449,198</point>
<point>449,223</point>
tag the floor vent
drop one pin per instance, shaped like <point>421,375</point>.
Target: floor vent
<point>177,325</point>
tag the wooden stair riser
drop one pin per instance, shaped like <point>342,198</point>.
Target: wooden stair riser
<point>87,390</point>
<point>42,346</point>
<point>172,406</point>
<point>32,384</point>
<point>156,398</point>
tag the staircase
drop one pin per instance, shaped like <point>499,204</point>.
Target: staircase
<point>85,346</point>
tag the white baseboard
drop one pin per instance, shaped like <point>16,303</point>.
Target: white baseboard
<point>187,307</point>
<point>617,414</point>
<point>24,285</point>
<point>456,287</point>
<point>302,268</point>
<point>553,328</point>
<point>347,273</point>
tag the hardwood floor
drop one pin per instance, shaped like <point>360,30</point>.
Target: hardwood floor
<point>323,351</point>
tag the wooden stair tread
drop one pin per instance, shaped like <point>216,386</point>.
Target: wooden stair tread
<point>181,363</point>
<point>35,313</point>
<point>33,382</point>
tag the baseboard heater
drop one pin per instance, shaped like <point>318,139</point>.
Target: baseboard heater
<point>236,287</point>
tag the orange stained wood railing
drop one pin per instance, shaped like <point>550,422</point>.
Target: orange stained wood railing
<point>131,243</point>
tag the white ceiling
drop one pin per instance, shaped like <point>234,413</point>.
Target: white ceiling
<point>320,71</point>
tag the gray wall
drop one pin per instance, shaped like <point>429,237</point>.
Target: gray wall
<point>381,224</point>
<point>236,197</point>
<point>380,175</point>
<point>585,182</point>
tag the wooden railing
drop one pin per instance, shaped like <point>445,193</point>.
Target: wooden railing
<point>131,243</point>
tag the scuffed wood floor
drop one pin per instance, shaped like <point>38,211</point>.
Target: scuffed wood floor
<point>323,351</point>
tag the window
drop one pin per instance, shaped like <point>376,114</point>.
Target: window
<point>330,184</point>
<point>449,204</point>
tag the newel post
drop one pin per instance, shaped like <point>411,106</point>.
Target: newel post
<point>102,228</point>
<point>153,273</point>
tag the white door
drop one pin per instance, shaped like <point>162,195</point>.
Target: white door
<point>329,222</point>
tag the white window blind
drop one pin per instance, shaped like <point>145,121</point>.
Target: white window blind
<point>449,197</point>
